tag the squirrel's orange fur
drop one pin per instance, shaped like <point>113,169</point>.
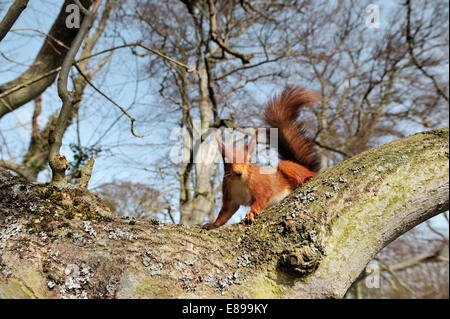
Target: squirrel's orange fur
<point>243,182</point>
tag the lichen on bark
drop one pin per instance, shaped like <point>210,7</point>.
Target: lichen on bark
<point>61,241</point>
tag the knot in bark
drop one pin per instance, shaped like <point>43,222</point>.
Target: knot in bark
<point>304,259</point>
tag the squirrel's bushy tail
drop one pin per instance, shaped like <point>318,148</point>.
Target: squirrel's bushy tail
<point>282,112</point>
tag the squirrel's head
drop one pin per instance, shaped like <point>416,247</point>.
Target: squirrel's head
<point>236,158</point>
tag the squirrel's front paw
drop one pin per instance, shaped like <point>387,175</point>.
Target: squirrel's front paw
<point>209,226</point>
<point>251,214</point>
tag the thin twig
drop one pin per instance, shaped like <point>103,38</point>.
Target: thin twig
<point>410,40</point>
<point>132,119</point>
<point>56,70</point>
<point>215,36</point>
<point>187,67</point>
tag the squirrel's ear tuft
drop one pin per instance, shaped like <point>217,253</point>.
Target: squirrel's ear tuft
<point>251,148</point>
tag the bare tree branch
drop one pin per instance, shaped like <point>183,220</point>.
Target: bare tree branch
<point>411,45</point>
<point>58,163</point>
<point>11,16</point>
<point>215,35</point>
<point>49,58</point>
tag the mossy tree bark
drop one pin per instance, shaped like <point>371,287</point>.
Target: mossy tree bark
<point>62,242</point>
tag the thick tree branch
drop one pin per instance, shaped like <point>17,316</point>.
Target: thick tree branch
<point>18,169</point>
<point>11,16</point>
<point>315,243</point>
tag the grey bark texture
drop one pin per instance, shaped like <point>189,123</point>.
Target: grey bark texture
<point>61,242</point>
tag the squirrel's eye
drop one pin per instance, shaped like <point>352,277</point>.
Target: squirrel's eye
<point>238,173</point>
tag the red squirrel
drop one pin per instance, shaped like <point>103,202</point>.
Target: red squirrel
<point>243,183</point>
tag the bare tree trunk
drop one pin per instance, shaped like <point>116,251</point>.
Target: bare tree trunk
<point>61,242</point>
<point>195,210</point>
